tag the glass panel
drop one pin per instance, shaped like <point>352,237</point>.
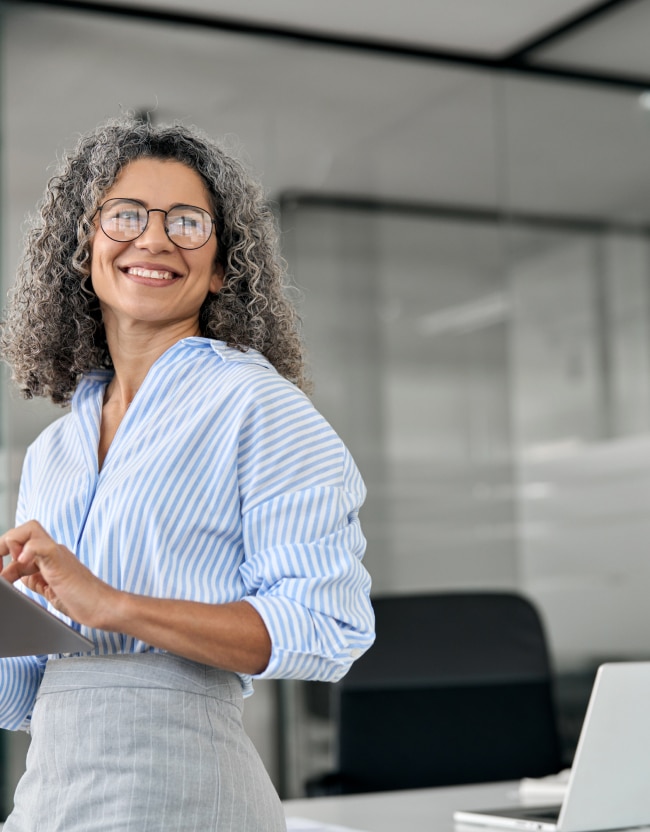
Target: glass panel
<point>574,151</point>
<point>407,323</point>
<point>580,358</point>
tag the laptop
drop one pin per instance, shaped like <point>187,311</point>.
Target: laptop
<point>610,775</point>
<point>28,629</point>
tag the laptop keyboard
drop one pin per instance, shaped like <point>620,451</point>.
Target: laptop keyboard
<point>544,813</point>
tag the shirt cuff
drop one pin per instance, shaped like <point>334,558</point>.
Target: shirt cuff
<point>307,644</point>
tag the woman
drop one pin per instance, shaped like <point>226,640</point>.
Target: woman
<point>193,514</point>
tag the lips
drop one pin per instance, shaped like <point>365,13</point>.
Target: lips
<point>151,273</point>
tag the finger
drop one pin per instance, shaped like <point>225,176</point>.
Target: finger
<point>12,541</point>
<point>15,570</point>
<point>24,558</point>
<point>15,548</point>
<point>12,572</point>
<point>37,552</point>
<point>27,531</point>
<point>54,599</point>
<point>37,584</point>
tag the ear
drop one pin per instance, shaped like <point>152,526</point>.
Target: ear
<point>217,281</point>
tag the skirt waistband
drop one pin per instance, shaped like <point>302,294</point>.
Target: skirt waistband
<point>140,670</point>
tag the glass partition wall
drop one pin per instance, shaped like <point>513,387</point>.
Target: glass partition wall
<point>405,318</point>
<point>472,257</point>
<point>580,346</point>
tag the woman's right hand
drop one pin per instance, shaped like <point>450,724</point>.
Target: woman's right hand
<point>53,571</point>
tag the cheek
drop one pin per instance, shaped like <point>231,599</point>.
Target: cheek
<point>209,269</point>
<point>101,269</point>
<point>95,252</point>
<point>103,252</point>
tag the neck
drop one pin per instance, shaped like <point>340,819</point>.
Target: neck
<point>134,351</point>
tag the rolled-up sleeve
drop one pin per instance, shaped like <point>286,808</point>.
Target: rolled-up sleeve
<point>301,495</point>
<point>20,677</point>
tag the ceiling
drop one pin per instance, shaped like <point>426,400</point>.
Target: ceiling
<point>602,37</point>
<point>491,27</point>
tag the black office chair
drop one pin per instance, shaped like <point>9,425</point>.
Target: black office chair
<point>457,689</point>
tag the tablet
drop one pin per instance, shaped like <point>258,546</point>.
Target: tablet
<point>28,629</point>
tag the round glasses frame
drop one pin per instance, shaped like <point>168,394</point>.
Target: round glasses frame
<point>127,237</point>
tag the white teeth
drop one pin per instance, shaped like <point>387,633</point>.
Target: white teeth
<point>153,273</point>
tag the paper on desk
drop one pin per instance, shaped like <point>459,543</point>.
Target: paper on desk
<point>305,825</point>
<point>551,788</point>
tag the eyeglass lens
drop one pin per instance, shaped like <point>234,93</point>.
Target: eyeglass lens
<point>124,220</point>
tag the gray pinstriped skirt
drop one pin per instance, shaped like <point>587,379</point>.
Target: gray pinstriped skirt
<point>137,743</point>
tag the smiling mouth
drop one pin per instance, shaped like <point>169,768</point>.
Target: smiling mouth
<point>153,274</point>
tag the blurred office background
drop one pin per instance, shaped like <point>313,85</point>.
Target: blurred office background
<point>463,188</point>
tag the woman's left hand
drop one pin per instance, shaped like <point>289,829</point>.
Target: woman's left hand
<point>51,570</point>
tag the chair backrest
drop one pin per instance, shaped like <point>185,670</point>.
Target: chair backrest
<point>457,689</point>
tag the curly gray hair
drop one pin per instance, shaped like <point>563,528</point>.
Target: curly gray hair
<point>53,332</point>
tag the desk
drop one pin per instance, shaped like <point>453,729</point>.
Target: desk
<point>419,810</point>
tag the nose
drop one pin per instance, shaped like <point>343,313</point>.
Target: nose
<point>154,238</point>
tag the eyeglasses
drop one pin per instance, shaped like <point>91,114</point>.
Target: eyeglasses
<point>124,220</point>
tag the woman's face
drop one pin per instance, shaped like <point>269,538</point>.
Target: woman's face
<point>150,281</point>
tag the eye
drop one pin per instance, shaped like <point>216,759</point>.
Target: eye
<point>186,223</point>
<point>127,214</point>
<point>123,215</point>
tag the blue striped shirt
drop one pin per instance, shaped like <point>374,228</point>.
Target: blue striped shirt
<point>222,483</point>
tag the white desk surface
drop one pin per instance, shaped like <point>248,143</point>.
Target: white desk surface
<point>419,810</point>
